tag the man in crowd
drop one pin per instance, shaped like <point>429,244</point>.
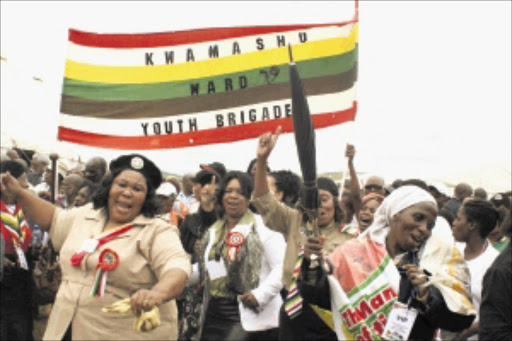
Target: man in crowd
<point>480,193</point>
<point>95,169</point>
<point>374,184</point>
<point>461,192</point>
<point>498,239</point>
<point>70,187</point>
<point>38,165</point>
<point>12,154</point>
<point>166,195</point>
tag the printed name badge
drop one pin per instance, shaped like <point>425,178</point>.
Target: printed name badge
<point>89,245</point>
<point>21,257</point>
<point>216,269</point>
<point>400,322</point>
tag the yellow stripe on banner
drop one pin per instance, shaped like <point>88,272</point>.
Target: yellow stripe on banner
<point>209,68</point>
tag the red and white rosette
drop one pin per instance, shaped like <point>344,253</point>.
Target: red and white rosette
<point>234,240</point>
<point>108,261</point>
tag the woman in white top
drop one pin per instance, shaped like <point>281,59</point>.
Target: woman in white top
<point>475,219</point>
<point>240,265</point>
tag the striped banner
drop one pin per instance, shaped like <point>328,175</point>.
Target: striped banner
<point>190,88</point>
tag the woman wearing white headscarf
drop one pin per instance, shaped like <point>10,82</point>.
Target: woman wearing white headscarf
<point>396,260</point>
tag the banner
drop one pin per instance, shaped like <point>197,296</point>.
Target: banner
<point>204,86</point>
<point>363,288</point>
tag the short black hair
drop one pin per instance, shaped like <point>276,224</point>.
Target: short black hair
<point>246,187</point>
<point>100,197</point>
<point>13,167</point>
<point>289,183</point>
<point>482,213</point>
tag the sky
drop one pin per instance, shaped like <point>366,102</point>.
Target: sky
<point>434,82</point>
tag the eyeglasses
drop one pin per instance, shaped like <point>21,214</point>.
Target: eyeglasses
<point>373,187</point>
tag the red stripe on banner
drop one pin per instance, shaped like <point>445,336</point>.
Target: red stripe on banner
<point>179,37</point>
<point>211,136</point>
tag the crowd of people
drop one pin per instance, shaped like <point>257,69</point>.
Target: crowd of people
<point>234,255</point>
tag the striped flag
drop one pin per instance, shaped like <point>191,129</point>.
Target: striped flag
<point>197,87</point>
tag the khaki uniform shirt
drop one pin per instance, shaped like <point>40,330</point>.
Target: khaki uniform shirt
<point>146,252</point>
<point>279,217</point>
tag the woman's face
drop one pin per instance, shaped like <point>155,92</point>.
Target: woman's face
<point>365,216</point>
<point>413,226</point>
<point>126,196</point>
<point>82,197</point>
<point>326,210</point>
<point>461,226</point>
<point>233,201</point>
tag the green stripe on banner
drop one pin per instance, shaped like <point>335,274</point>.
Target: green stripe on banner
<point>224,100</point>
<point>224,83</point>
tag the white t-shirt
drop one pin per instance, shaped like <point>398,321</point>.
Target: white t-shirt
<point>477,268</point>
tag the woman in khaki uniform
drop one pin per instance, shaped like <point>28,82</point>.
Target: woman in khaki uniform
<point>297,321</point>
<point>146,264</point>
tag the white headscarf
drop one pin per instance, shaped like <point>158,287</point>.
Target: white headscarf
<point>397,201</point>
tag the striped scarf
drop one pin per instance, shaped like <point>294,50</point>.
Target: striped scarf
<point>16,225</point>
<point>293,303</point>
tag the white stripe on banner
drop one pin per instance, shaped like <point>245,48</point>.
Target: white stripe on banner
<point>200,51</point>
<point>318,104</point>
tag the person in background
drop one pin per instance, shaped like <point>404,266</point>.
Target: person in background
<point>242,301</point>
<point>38,166</point>
<point>285,185</point>
<point>69,188</point>
<point>12,154</point>
<point>16,286</point>
<point>95,169</point>
<point>43,190</point>
<point>192,231</point>
<point>399,256</point>
<point>84,195</point>
<point>166,194</point>
<point>371,203</point>
<point>142,254</point>
<point>185,202</point>
<point>495,312</point>
<point>374,184</point>
<point>476,218</point>
<point>498,239</point>
<point>461,192</point>
<point>480,193</point>
<point>251,168</point>
<point>297,321</point>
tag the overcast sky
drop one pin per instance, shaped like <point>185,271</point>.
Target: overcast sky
<point>433,88</point>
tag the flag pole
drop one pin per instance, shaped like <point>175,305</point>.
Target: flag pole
<point>351,125</point>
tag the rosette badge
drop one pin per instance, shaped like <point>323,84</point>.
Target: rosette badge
<point>108,261</point>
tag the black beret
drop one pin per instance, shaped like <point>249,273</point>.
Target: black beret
<point>328,185</point>
<point>140,164</point>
